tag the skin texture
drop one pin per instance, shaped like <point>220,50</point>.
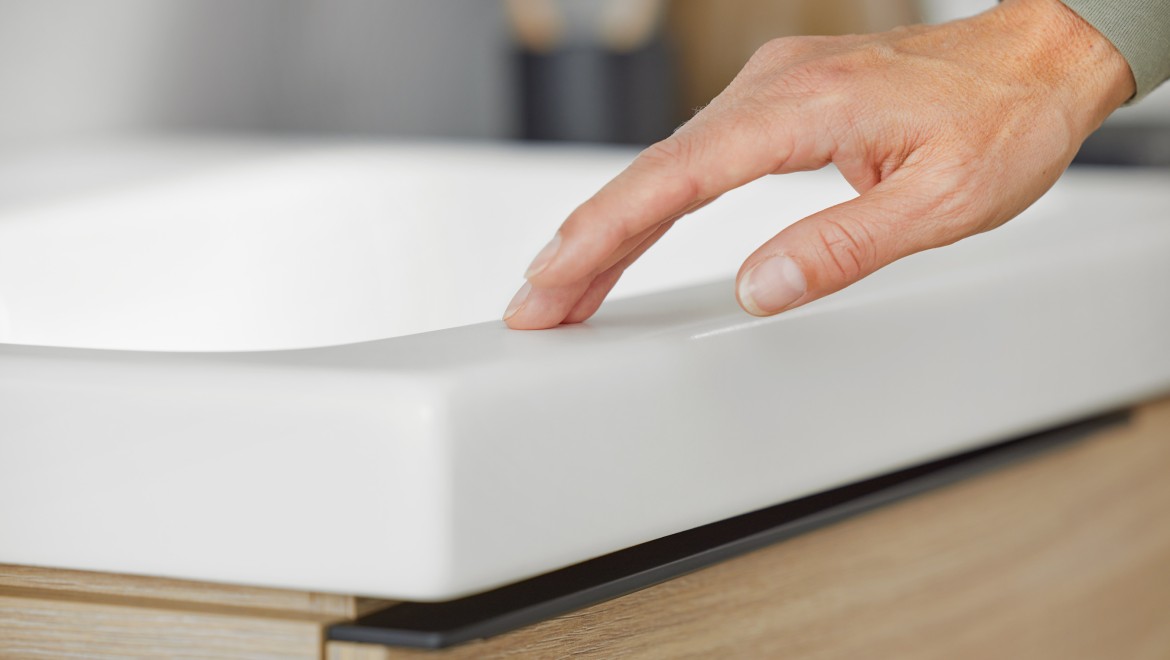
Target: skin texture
<point>944,131</point>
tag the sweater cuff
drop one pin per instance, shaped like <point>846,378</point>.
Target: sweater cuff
<point>1140,29</point>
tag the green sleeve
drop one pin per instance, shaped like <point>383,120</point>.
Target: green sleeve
<point>1140,29</point>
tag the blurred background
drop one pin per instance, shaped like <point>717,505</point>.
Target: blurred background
<point>616,71</point>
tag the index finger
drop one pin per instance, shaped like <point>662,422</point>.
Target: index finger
<point>701,161</point>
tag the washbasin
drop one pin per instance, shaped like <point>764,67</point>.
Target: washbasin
<point>279,362</point>
<point>227,245</point>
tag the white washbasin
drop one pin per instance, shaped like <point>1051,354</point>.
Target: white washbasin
<point>211,364</point>
<point>230,246</point>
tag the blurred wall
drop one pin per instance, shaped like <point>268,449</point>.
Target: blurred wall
<point>69,67</point>
<point>404,67</point>
<point>387,67</point>
<point>401,67</point>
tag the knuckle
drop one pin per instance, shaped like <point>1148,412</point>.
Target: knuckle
<point>821,76</point>
<point>781,48</point>
<point>666,154</point>
<point>814,79</point>
<point>669,162</point>
<point>835,71</point>
<point>877,53</point>
<point>774,57</point>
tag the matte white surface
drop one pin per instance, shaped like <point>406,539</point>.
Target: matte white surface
<point>438,464</point>
<point>212,246</point>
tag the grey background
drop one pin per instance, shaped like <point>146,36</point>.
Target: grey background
<point>407,67</point>
<point>72,68</point>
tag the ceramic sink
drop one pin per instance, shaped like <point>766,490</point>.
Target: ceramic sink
<point>279,363</point>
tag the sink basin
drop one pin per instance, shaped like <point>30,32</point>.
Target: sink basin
<point>276,363</point>
<point>240,246</point>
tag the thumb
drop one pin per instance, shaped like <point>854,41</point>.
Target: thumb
<point>834,248</point>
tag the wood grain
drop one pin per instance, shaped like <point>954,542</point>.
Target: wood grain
<point>186,591</point>
<point>1065,556</point>
<point>65,613</point>
<point>59,624</point>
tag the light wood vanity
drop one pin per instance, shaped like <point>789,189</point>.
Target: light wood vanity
<point>1066,555</point>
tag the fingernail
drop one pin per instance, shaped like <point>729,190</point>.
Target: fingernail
<point>771,285</point>
<point>544,257</point>
<point>517,301</point>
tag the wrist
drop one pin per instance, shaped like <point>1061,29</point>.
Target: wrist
<point>1053,46</point>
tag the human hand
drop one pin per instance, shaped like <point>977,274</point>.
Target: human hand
<point>944,131</point>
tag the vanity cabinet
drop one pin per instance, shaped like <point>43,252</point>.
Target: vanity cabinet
<point>1064,555</point>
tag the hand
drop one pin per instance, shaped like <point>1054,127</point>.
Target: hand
<point>944,131</point>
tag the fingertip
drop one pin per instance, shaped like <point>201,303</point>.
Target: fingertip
<point>530,320</point>
<point>544,258</point>
<point>518,300</point>
<point>536,308</point>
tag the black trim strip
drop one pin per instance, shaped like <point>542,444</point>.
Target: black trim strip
<point>438,625</point>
